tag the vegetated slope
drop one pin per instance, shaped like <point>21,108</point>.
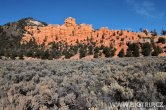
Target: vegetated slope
<point>81,85</point>
<point>17,28</point>
<point>35,39</point>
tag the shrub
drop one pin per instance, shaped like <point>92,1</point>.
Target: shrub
<point>80,85</point>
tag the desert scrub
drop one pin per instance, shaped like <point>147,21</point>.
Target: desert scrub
<point>80,85</point>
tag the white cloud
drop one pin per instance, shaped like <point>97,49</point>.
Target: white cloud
<point>146,9</point>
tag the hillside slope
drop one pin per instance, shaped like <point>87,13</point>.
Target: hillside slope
<point>71,39</point>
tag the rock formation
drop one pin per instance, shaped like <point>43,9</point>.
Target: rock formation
<point>71,32</point>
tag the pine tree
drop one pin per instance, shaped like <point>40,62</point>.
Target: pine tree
<point>157,51</point>
<point>129,53</point>
<point>96,52</point>
<point>161,40</point>
<point>163,32</point>
<point>56,54</point>
<point>69,53</point>
<point>154,32</point>
<point>109,51</point>
<point>82,52</point>
<point>133,50</point>
<point>121,53</point>
<point>146,49</point>
<point>13,56</point>
<point>29,53</point>
<point>45,54</point>
<point>21,56</point>
<point>90,50</point>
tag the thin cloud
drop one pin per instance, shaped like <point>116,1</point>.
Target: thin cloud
<point>146,9</point>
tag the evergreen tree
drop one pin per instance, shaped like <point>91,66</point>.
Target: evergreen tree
<point>121,53</point>
<point>7,54</point>
<point>163,32</point>
<point>50,57</point>
<point>161,40</point>
<point>96,52</point>
<point>109,51</point>
<point>21,56</point>
<point>154,32</point>
<point>146,49</point>
<point>101,47</point>
<point>75,49</point>
<point>113,52</point>
<point>45,54</point>
<point>90,50</point>
<point>129,53</point>
<point>56,53</point>
<point>69,53</point>
<point>1,52</point>
<point>134,49</point>
<point>82,52</point>
<point>29,53</point>
<point>13,55</point>
<point>157,51</point>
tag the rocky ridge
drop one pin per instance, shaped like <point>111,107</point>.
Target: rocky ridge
<point>71,32</point>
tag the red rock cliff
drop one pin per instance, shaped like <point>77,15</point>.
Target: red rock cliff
<point>71,32</point>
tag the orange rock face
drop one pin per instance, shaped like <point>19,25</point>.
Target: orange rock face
<point>71,32</point>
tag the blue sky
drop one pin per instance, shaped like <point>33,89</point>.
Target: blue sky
<point>115,14</point>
